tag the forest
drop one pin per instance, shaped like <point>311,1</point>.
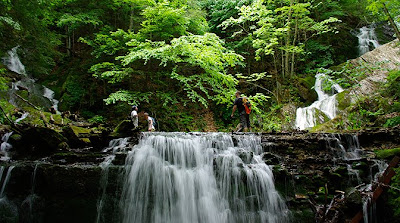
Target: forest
<point>322,78</point>
<point>183,60</point>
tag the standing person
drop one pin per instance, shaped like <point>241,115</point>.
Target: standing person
<point>134,116</point>
<point>238,104</point>
<point>150,122</point>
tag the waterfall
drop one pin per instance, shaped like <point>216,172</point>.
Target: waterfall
<point>324,107</point>
<point>178,177</point>
<point>13,63</point>
<point>5,182</point>
<point>22,117</point>
<point>367,40</point>
<point>5,147</point>
<point>346,147</point>
<point>369,207</point>
<point>39,93</point>
<point>115,145</point>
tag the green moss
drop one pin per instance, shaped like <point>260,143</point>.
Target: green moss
<point>343,99</point>
<point>387,153</point>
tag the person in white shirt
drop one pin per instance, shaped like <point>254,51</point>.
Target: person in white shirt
<point>134,116</point>
<point>150,122</point>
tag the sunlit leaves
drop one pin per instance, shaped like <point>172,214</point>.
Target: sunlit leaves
<point>204,55</point>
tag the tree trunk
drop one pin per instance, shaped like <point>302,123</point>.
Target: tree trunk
<point>131,19</point>
<point>294,42</point>
<point>394,26</point>
<point>287,54</point>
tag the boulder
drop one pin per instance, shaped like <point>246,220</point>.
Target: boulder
<point>38,142</point>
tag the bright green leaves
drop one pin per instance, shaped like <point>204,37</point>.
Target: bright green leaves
<point>163,22</point>
<point>198,63</point>
<point>280,30</point>
<point>78,20</point>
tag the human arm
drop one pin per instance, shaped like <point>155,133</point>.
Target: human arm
<point>233,110</point>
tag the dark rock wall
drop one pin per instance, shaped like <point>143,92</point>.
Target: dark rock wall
<point>68,185</point>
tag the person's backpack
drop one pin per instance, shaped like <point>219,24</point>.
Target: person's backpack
<point>155,124</point>
<point>247,105</point>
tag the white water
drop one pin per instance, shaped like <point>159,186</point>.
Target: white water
<point>13,63</point>
<point>369,208</point>
<point>180,178</point>
<point>310,116</point>
<point>22,117</point>
<point>5,147</point>
<point>367,40</point>
<point>5,182</point>
<point>115,145</point>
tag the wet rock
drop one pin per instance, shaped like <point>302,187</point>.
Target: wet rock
<point>124,129</point>
<point>270,158</point>
<point>38,142</point>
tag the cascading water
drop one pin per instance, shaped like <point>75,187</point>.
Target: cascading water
<point>178,177</point>
<point>5,182</point>
<point>5,147</point>
<point>325,106</point>
<point>367,40</point>
<point>42,95</point>
<point>115,145</point>
<point>13,63</point>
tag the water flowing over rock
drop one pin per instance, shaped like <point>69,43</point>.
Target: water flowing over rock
<point>13,63</point>
<point>322,110</point>
<point>38,94</point>
<point>367,40</point>
<point>178,177</point>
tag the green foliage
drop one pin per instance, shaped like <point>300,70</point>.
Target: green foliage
<point>393,84</point>
<point>81,19</point>
<point>392,122</point>
<point>3,81</point>
<point>73,94</point>
<point>97,119</point>
<point>271,35</point>
<point>197,62</point>
<point>394,193</point>
<point>27,23</point>
<point>163,22</point>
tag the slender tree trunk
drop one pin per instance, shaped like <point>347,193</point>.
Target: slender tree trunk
<point>68,41</point>
<point>283,63</point>
<point>131,18</point>
<point>287,68</point>
<point>394,26</point>
<point>294,42</point>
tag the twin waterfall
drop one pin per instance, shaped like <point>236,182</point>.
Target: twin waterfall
<point>325,108</point>
<point>199,177</point>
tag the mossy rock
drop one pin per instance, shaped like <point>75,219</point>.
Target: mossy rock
<point>39,141</point>
<point>343,100</point>
<point>305,89</point>
<point>74,133</point>
<point>124,129</point>
<point>387,153</point>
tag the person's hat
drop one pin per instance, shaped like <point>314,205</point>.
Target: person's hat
<point>134,107</point>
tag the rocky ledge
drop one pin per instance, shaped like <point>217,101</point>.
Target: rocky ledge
<point>55,182</point>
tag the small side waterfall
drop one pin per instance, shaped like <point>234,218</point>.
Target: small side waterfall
<point>5,147</point>
<point>115,145</point>
<point>42,95</point>
<point>5,182</point>
<point>178,177</point>
<point>367,40</point>
<point>13,63</point>
<point>322,109</point>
